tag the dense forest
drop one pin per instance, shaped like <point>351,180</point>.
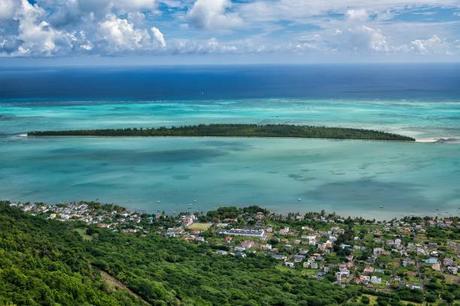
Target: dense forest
<point>236,130</point>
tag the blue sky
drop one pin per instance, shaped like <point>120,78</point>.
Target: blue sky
<point>228,31</point>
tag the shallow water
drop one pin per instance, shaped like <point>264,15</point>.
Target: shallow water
<point>349,177</point>
<point>412,118</point>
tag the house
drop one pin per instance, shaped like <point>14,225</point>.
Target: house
<point>343,270</point>
<point>421,251</point>
<point>452,270</point>
<point>279,257</point>
<point>174,232</point>
<point>240,249</point>
<point>448,262</point>
<point>303,252</point>
<point>266,247</point>
<point>299,258</point>
<point>289,264</point>
<point>378,252</point>
<point>311,239</point>
<point>260,215</point>
<point>310,264</point>
<point>407,262</point>
<point>368,270</point>
<point>228,239</point>
<point>240,254</point>
<point>325,246</point>
<point>431,261</point>
<point>284,231</point>
<point>338,277</point>
<point>436,267</point>
<point>363,279</point>
<point>376,280</point>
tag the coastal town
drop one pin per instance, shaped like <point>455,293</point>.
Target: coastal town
<point>412,253</point>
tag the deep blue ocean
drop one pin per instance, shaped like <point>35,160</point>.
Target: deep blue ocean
<point>366,178</point>
<point>363,82</point>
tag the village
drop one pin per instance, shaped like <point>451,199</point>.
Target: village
<point>412,252</point>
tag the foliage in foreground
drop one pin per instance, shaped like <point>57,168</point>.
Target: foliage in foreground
<point>46,262</point>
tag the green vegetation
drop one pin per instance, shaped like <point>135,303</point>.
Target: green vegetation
<point>236,130</point>
<point>46,262</point>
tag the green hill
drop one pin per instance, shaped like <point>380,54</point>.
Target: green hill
<point>44,262</point>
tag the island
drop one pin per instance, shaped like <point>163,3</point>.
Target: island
<point>235,130</point>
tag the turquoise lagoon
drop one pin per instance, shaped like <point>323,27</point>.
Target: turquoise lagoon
<point>366,178</point>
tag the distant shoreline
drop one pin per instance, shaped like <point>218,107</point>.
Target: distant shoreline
<point>196,210</point>
<point>235,130</point>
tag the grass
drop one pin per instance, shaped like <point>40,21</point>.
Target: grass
<point>199,226</point>
<point>114,284</point>
<point>82,233</point>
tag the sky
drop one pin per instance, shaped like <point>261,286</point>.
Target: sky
<point>228,31</point>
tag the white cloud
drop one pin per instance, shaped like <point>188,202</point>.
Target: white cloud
<point>432,45</point>
<point>158,36</point>
<point>34,34</point>
<point>357,15</point>
<point>121,35</point>
<point>51,27</point>
<point>117,27</point>
<point>213,14</point>
<point>7,9</point>
<point>135,4</point>
<point>377,41</point>
<point>262,10</point>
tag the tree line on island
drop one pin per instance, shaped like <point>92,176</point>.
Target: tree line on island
<point>236,130</point>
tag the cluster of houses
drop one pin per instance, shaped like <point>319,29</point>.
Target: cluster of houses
<point>388,254</point>
<point>112,217</point>
<point>397,253</point>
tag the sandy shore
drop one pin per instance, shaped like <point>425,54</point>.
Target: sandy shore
<point>437,140</point>
<point>427,140</point>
